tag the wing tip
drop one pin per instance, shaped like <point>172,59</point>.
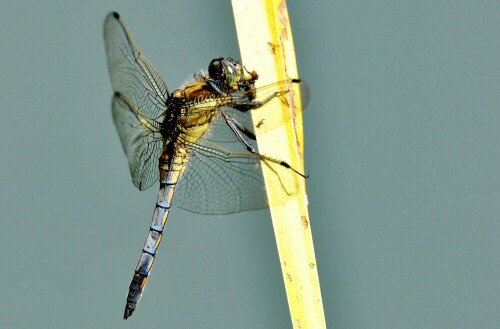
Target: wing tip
<point>112,15</point>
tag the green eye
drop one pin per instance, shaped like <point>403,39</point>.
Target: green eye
<point>233,71</point>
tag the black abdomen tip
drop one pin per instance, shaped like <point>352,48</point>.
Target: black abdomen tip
<point>129,309</point>
<point>128,312</point>
<point>116,15</point>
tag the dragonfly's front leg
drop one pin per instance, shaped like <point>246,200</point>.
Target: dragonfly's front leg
<point>245,105</point>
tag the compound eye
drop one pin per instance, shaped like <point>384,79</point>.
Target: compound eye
<point>216,69</point>
<point>233,71</point>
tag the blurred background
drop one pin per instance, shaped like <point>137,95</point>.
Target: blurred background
<point>402,147</point>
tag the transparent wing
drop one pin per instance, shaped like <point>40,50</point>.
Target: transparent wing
<point>131,73</point>
<point>219,181</point>
<point>138,104</point>
<point>141,140</point>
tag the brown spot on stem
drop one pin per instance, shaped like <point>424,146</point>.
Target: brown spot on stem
<point>272,47</point>
<point>304,221</point>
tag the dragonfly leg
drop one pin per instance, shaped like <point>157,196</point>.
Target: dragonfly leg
<point>238,129</point>
<point>245,105</point>
<point>233,123</point>
<point>217,86</point>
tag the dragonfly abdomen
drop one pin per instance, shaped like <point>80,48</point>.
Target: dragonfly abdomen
<point>170,170</point>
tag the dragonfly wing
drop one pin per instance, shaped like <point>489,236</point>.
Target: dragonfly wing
<point>141,141</point>
<point>131,73</point>
<point>139,101</point>
<point>220,181</point>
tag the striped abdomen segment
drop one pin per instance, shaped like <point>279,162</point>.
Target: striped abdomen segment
<point>170,170</point>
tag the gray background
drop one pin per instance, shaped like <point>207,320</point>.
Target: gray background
<point>402,145</point>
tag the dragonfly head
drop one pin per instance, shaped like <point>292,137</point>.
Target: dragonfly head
<point>226,71</point>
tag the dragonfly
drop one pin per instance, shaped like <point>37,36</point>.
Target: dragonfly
<point>178,138</point>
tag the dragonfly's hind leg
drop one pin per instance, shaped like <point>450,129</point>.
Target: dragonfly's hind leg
<point>237,128</point>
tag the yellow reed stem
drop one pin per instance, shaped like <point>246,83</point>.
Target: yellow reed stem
<point>266,45</point>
